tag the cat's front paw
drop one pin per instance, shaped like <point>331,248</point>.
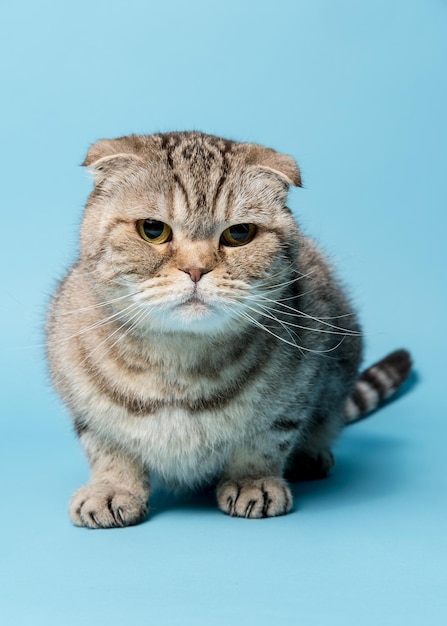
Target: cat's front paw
<point>254,499</point>
<point>101,505</point>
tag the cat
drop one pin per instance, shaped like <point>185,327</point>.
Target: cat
<point>200,337</point>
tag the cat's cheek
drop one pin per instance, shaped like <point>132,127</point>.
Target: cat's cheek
<point>257,259</point>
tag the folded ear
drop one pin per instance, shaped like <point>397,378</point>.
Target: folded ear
<point>108,156</point>
<point>282,165</point>
<point>130,145</point>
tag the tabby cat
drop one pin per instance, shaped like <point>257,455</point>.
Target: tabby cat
<point>200,337</point>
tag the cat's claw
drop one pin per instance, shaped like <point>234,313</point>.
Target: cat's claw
<point>254,499</point>
<point>103,506</point>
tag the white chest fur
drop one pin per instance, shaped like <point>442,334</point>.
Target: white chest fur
<point>182,447</point>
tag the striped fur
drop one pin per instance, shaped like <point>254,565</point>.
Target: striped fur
<point>377,384</point>
<point>196,361</point>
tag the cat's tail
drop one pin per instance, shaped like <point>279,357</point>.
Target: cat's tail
<point>376,384</point>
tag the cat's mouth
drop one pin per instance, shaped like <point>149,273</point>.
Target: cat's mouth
<point>195,313</point>
<point>195,302</point>
<point>191,310</point>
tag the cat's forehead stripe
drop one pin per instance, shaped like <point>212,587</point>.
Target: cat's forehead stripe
<point>198,179</point>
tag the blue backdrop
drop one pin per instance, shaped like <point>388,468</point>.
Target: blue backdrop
<point>356,91</point>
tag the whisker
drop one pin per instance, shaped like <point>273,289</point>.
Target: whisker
<point>287,269</point>
<point>93,326</point>
<point>290,343</point>
<point>117,278</point>
<point>292,297</point>
<point>287,323</point>
<point>321,320</point>
<point>271,288</point>
<point>289,331</point>
<point>58,376</point>
<point>135,319</point>
<point>100,304</point>
<point>97,324</point>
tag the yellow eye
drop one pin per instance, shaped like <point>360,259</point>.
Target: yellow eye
<point>238,235</point>
<point>154,231</point>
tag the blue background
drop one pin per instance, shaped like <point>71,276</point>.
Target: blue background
<point>356,91</point>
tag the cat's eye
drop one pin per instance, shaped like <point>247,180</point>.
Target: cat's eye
<point>154,231</point>
<point>238,235</point>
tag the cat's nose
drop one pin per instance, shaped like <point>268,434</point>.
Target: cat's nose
<point>196,273</point>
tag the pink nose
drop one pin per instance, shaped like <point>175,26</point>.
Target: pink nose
<point>196,273</point>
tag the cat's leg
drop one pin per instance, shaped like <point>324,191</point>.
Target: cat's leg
<point>309,464</point>
<point>252,485</point>
<point>311,458</point>
<point>118,491</point>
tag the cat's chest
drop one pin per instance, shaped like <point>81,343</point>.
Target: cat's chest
<point>185,386</point>
<point>185,421</point>
<point>180,445</point>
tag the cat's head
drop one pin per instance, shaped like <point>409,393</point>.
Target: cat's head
<point>185,228</point>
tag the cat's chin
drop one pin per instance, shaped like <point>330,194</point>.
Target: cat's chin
<point>193,316</point>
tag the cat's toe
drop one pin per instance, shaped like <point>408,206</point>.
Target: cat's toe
<point>105,506</point>
<point>254,499</point>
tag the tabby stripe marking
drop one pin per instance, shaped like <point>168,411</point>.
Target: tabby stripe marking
<point>378,378</point>
<point>359,400</point>
<point>369,394</point>
<point>143,406</point>
<point>352,411</point>
<point>80,426</point>
<point>285,424</point>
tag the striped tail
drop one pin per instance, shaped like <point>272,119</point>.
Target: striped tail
<point>376,384</point>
